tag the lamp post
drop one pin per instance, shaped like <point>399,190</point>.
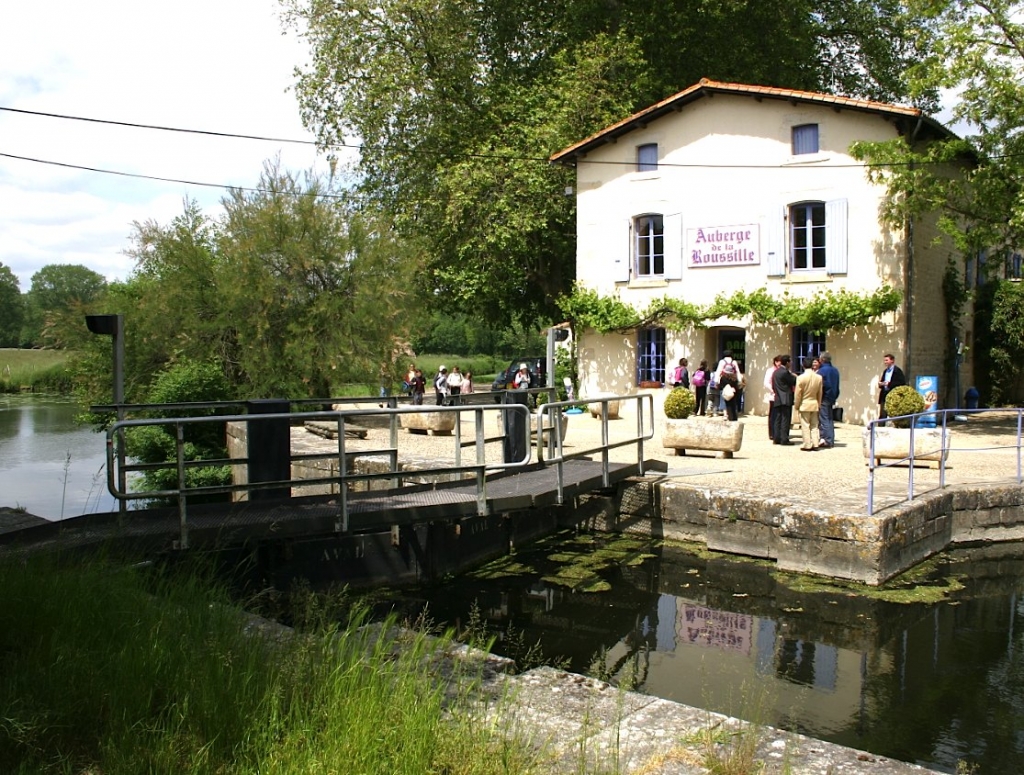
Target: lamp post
<point>113,326</point>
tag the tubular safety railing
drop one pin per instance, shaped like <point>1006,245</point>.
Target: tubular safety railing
<point>549,435</point>
<point>944,422</point>
<point>517,425</point>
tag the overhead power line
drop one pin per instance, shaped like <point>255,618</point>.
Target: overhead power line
<point>133,125</point>
<point>155,177</point>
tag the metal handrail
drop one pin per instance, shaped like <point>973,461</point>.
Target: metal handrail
<point>549,435</point>
<point>183,493</point>
<point>934,419</point>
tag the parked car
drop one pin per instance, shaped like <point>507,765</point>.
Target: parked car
<point>537,367</point>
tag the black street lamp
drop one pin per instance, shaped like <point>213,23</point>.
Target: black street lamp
<point>113,326</point>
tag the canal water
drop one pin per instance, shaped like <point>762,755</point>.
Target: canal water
<point>930,670</point>
<point>49,465</point>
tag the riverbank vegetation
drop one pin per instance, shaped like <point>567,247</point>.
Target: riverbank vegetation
<point>34,371</point>
<point>126,670</point>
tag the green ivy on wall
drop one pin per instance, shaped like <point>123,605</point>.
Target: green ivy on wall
<point>827,311</point>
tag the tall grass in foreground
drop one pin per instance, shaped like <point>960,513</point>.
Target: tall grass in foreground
<point>112,670</point>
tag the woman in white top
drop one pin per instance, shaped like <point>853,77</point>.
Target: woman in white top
<point>455,384</point>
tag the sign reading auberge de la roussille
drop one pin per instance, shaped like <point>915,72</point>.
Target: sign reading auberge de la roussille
<point>723,246</point>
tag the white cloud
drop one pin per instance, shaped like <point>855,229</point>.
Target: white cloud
<point>216,65</point>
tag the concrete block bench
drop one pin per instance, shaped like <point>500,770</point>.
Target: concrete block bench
<point>894,444</point>
<point>702,433</point>
<point>429,422</point>
<point>596,408</point>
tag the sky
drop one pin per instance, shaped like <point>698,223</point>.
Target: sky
<point>215,65</point>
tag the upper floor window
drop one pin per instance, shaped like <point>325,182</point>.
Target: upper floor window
<point>647,157</point>
<point>807,236</point>
<point>650,246</point>
<point>810,237</point>
<point>805,139</point>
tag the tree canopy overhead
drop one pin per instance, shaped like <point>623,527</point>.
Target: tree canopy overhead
<point>456,106</point>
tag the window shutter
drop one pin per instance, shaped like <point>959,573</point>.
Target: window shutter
<point>673,225</point>
<point>776,247</point>
<point>623,258</point>
<point>836,240</point>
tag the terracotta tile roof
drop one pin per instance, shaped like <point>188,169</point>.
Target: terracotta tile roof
<point>706,87</point>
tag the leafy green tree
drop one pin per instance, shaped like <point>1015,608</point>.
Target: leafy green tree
<point>458,105</point>
<point>12,308</point>
<point>291,293</point>
<point>184,381</point>
<point>975,183</point>
<point>324,297</point>
<point>58,290</point>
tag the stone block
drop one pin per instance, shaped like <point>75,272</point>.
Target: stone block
<point>702,433</point>
<point>894,444</point>
<point>596,408</point>
<point>429,422</point>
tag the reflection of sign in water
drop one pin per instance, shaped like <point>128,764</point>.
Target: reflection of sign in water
<point>719,629</point>
<point>723,245</point>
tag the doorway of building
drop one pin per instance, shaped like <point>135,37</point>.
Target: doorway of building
<point>734,339</point>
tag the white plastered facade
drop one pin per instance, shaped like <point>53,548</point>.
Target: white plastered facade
<point>725,180</point>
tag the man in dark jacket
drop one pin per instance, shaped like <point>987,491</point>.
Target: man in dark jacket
<point>829,395</point>
<point>892,378</point>
<point>783,382</point>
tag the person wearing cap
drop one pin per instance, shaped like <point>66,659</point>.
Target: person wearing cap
<point>441,385</point>
<point>522,378</point>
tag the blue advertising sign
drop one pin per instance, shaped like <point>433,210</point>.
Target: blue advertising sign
<point>928,387</point>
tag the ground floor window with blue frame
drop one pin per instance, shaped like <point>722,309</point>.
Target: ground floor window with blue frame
<point>650,361</point>
<point>806,347</point>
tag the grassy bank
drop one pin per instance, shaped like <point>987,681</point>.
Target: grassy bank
<point>37,371</point>
<point>109,670</point>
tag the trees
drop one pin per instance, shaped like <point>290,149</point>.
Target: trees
<point>58,290</point>
<point>291,293</point>
<point>11,308</point>
<point>314,292</point>
<point>458,105</point>
<point>976,184</point>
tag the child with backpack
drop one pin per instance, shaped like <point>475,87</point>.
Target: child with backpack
<point>700,385</point>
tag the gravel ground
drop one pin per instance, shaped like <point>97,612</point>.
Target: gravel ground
<point>983,449</point>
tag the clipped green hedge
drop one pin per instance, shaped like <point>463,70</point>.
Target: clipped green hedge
<point>902,401</point>
<point>679,404</point>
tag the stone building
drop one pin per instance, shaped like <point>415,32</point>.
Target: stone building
<point>729,187</point>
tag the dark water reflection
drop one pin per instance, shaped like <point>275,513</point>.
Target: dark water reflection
<point>49,465</point>
<point>932,683</point>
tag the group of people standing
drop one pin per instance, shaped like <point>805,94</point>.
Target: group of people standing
<point>812,395</point>
<point>447,386</point>
<point>718,390</point>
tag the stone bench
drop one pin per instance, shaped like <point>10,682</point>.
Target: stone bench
<point>894,444</point>
<point>429,422</point>
<point>701,433</point>
<point>597,408</point>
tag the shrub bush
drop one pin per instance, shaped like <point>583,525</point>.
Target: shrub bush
<point>679,404</point>
<point>902,401</point>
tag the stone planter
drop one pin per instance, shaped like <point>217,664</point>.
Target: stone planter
<point>596,408</point>
<point>702,433</point>
<point>426,421</point>
<point>894,444</point>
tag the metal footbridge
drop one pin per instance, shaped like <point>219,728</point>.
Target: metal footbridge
<point>360,477</point>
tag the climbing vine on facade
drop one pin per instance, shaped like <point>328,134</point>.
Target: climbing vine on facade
<point>827,311</point>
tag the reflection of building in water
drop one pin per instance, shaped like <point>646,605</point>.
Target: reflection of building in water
<point>823,680</point>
